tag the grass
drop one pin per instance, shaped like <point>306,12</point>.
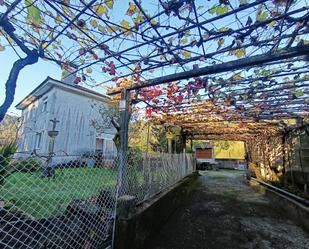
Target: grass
<point>43,197</point>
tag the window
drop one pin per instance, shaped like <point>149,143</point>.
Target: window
<point>38,139</point>
<point>109,148</point>
<point>99,144</point>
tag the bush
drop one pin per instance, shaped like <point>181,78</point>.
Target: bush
<point>6,151</point>
<point>28,165</point>
<point>135,157</point>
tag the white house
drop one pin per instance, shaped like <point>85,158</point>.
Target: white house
<point>71,105</point>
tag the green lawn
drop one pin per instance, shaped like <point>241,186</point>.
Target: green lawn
<point>42,197</point>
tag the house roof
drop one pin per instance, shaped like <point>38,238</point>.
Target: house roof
<point>48,84</point>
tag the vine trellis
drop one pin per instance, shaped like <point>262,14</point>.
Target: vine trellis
<point>222,69</point>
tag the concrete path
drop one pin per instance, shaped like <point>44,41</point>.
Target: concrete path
<point>225,213</point>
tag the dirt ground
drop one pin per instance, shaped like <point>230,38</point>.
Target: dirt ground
<point>226,213</point>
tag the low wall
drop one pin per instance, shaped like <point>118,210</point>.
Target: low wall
<point>298,212</point>
<point>150,216</point>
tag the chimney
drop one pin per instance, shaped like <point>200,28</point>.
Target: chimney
<point>68,75</point>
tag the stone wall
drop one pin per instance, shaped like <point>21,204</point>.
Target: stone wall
<point>295,210</point>
<point>135,228</point>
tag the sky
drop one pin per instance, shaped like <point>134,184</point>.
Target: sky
<point>29,78</point>
<point>32,76</point>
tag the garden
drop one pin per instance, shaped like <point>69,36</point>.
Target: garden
<point>43,197</point>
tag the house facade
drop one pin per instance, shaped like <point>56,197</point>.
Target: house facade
<point>72,107</point>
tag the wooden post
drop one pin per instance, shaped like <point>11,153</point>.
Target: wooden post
<point>169,145</point>
<point>123,155</point>
<point>148,138</point>
<point>175,144</point>
<point>169,137</point>
<point>284,159</point>
<point>183,143</point>
<point>146,164</point>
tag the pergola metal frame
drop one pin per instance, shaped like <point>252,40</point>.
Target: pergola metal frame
<point>250,99</point>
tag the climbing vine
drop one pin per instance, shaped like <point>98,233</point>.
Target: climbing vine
<point>237,61</point>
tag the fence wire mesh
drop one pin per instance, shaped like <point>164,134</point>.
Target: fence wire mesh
<point>69,202</point>
<point>152,174</point>
<point>59,202</point>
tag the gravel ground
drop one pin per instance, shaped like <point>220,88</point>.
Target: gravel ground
<point>225,213</point>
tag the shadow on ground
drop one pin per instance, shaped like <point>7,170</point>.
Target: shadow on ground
<point>226,213</point>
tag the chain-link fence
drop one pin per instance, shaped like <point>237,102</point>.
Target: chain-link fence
<point>65,202</point>
<point>69,201</point>
<point>152,174</point>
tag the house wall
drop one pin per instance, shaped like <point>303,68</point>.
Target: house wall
<point>74,112</point>
<point>229,150</point>
<point>231,163</point>
<point>204,153</point>
<point>34,121</point>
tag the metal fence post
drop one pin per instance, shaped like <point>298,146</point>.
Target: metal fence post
<point>123,156</point>
<point>184,158</point>
<point>123,153</point>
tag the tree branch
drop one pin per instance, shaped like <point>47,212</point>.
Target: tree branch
<point>115,124</point>
<point>9,9</point>
<point>10,85</point>
<point>9,29</point>
<point>32,56</point>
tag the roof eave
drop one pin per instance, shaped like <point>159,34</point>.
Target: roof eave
<point>31,97</point>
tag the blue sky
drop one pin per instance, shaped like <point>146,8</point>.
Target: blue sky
<point>33,75</point>
<point>29,78</point>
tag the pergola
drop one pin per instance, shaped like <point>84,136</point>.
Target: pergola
<point>219,69</point>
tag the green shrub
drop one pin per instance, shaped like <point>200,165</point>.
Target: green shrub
<point>28,165</point>
<point>135,157</point>
<point>6,151</point>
